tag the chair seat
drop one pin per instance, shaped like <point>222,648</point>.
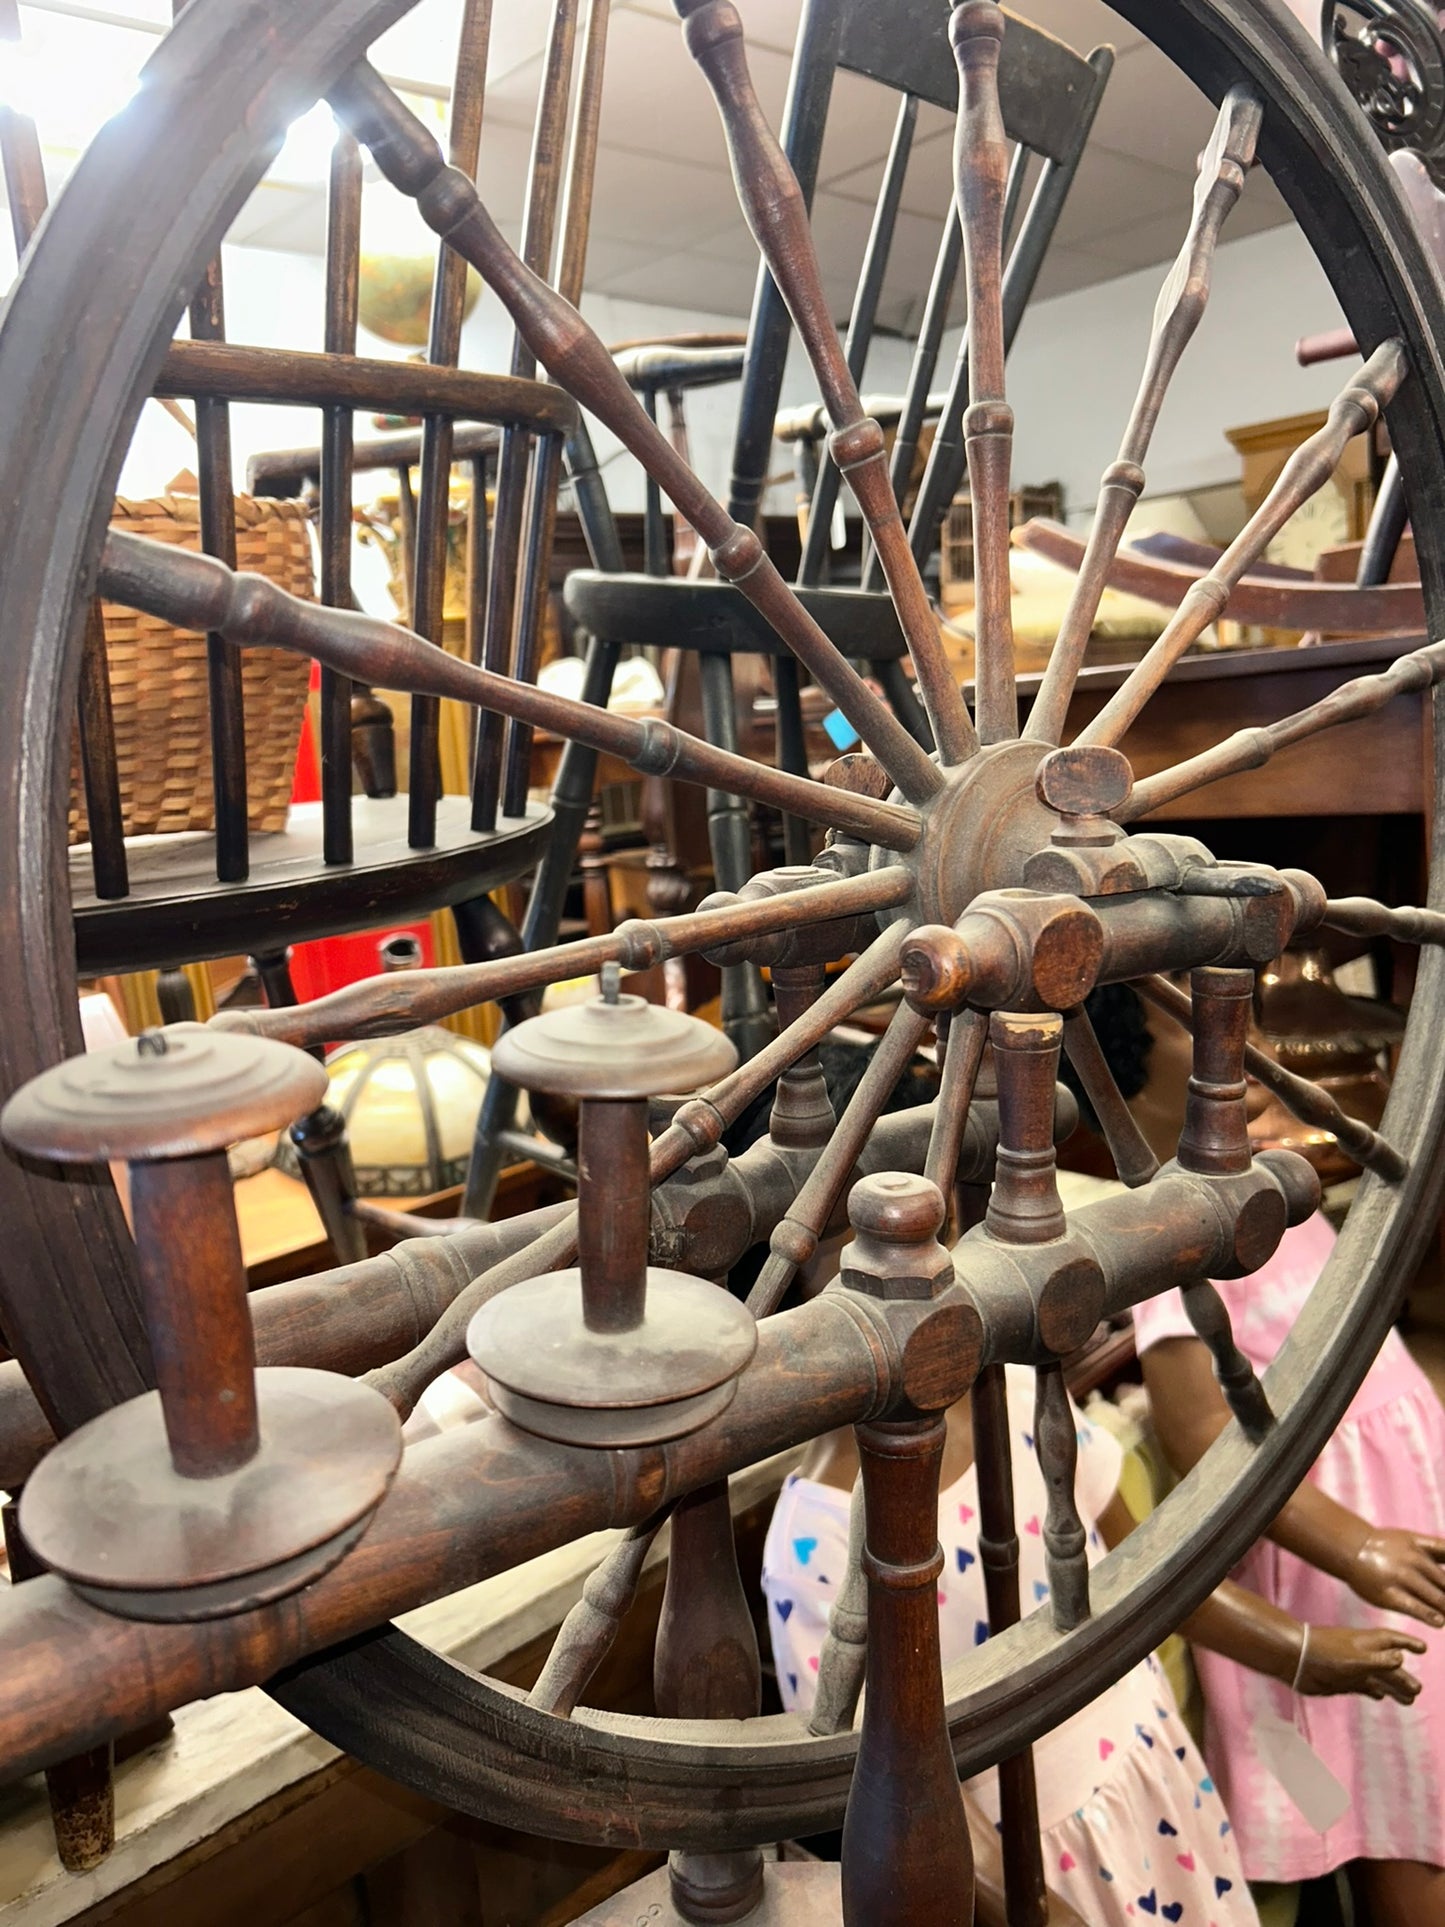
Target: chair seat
<point>667,612</point>
<point>177,913</point>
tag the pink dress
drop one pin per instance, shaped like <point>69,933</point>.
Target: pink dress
<point>1386,1462</point>
<point>1133,1827</point>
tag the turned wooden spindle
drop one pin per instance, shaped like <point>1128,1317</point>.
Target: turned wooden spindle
<point>706,1667</point>
<point>1215,1137</point>
<point>575,357</point>
<point>295,1461</point>
<point>613,1352</point>
<point>802,1115</point>
<point>1056,1442</point>
<point>982,154</point>
<point>776,212</point>
<point>1215,1141</point>
<point>1024,1208</point>
<point>998,1555</point>
<point>906,1851</point>
<point>845,1649</point>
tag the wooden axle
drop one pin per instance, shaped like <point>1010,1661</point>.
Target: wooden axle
<point>485,1497</point>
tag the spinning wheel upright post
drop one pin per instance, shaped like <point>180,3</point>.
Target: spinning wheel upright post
<point>997,884</point>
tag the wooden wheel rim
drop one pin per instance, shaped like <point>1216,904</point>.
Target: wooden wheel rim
<point>227,71</point>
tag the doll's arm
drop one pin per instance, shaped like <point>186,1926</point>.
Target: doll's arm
<point>1319,1660</point>
<point>1314,1659</point>
<point>1397,1570</point>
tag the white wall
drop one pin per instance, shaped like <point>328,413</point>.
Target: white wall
<point>1076,363</point>
<point>1072,374</point>
<point>274,299</point>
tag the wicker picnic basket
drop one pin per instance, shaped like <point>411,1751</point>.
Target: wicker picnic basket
<point>158,683</point>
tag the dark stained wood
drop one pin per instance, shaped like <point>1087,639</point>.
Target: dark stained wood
<point>1263,594</point>
<point>906,1852</point>
<point>1307,1101</point>
<point>575,357</point>
<point>201,369</point>
<point>1065,1542</point>
<point>981,166</point>
<point>186,586</point>
<point>1177,314</point>
<point>343,263</point>
<point>773,203</point>
<point>433,515</point>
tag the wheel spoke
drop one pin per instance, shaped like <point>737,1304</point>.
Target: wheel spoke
<point>962,1055</point>
<point>1177,313</point>
<point>195,591</point>
<point>796,1236</point>
<point>845,1650</point>
<point>585,1637</point>
<point>981,167</point>
<point>1252,748</point>
<point>1056,1443</point>
<point>1243,1393</point>
<point>773,204</point>
<point>1354,410</point>
<point>1304,1100</point>
<point>1128,1147</point>
<point>1363,917</point>
<point>575,358</point>
<point>403,1000</point>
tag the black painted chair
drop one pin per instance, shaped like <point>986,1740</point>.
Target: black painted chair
<point>1049,97</point>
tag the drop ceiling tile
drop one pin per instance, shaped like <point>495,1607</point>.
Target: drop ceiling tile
<point>1140,244</point>
<point>1152,111</point>
<point>1065,269</point>
<point>655,99</point>
<point>664,204</point>
<point>423,45</point>
<point>608,261</point>
<point>291,219</point>
<point>688,281</point>
<point>1112,190</point>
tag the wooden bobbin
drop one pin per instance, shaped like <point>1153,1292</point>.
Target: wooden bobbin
<point>612,1352</point>
<point>225,1487</point>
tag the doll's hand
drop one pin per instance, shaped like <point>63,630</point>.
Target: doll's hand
<point>1401,1572</point>
<point>1360,1659</point>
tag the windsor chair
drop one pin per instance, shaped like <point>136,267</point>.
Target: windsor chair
<point>1048,98</point>
<point>352,860</point>
<point>995,885</point>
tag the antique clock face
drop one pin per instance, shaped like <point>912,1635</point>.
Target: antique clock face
<point>1323,522</point>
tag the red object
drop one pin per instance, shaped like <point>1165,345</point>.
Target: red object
<point>333,962</point>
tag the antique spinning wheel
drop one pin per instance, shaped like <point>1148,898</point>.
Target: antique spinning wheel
<point>995,877</point>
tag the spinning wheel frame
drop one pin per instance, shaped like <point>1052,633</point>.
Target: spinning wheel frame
<point>433,1725</point>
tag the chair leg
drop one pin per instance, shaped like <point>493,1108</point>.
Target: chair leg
<point>325,1158</point>
<point>320,1139</point>
<point>744,1002</point>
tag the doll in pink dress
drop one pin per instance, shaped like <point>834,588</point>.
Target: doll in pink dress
<point>1133,1825</point>
<point>1326,1561</point>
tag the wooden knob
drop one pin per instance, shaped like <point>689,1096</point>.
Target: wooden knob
<point>1089,781</point>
